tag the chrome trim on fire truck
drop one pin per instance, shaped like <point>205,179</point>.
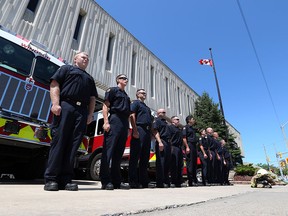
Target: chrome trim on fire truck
<point>15,99</point>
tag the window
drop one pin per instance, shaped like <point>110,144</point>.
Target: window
<point>32,5</point>
<point>9,52</point>
<point>188,104</point>
<point>133,68</point>
<point>179,100</point>
<point>78,26</point>
<point>44,70</point>
<point>167,91</point>
<point>110,52</point>
<point>29,13</point>
<point>152,81</point>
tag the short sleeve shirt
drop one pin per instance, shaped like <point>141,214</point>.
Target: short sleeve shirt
<point>176,136</point>
<point>119,101</point>
<point>190,134</point>
<point>75,83</point>
<point>162,127</point>
<point>142,111</point>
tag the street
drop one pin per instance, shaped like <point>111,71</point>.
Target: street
<point>28,198</point>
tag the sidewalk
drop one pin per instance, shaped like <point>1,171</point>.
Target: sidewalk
<point>30,199</point>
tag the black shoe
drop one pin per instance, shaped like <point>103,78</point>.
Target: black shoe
<point>149,185</point>
<point>135,186</point>
<point>71,187</point>
<point>122,186</point>
<point>193,184</point>
<point>166,185</point>
<point>108,186</point>
<point>51,186</point>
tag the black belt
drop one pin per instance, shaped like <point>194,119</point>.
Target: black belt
<point>75,102</point>
<point>147,127</point>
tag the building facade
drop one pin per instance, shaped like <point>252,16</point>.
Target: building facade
<point>67,26</point>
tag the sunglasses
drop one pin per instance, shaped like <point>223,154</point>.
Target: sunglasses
<point>177,119</point>
<point>144,93</point>
<point>123,78</point>
<point>162,112</point>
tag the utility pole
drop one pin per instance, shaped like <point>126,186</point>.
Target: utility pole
<point>278,162</point>
<point>267,159</point>
<point>284,134</point>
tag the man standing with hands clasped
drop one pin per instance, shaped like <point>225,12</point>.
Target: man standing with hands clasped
<point>73,94</point>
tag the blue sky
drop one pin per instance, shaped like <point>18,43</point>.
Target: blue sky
<point>181,32</point>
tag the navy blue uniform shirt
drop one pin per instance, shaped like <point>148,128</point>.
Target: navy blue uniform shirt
<point>162,127</point>
<point>190,134</point>
<point>204,142</point>
<point>143,113</point>
<point>176,136</point>
<point>75,84</point>
<point>119,101</point>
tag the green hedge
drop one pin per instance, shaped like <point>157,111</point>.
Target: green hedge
<point>245,170</point>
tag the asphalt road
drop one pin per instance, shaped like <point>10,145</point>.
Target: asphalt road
<point>29,198</point>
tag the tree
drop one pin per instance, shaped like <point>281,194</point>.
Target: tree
<point>207,114</point>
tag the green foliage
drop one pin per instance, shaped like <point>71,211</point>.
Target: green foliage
<point>207,114</point>
<point>273,168</point>
<point>245,170</point>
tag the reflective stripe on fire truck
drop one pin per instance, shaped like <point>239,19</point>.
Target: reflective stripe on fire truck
<point>26,132</point>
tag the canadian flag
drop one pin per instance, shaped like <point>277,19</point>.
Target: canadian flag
<point>206,62</point>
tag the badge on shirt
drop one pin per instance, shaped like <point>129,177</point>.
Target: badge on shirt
<point>108,90</point>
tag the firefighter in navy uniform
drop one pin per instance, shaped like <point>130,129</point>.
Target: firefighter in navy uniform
<point>190,138</point>
<point>204,155</point>
<point>218,159</point>
<point>73,95</point>
<point>163,149</point>
<point>117,103</point>
<point>141,121</point>
<point>176,153</point>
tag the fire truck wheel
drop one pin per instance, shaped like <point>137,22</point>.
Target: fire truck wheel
<point>95,167</point>
<point>199,175</point>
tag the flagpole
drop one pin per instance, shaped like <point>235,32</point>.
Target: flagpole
<point>218,91</point>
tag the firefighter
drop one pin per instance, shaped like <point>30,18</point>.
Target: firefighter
<point>176,154</point>
<point>163,149</point>
<point>204,155</point>
<point>73,95</point>
<point>141,121</point>
<point>117,103</point>
<point>190,138</point>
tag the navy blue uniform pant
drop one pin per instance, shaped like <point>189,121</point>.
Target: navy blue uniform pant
<point>205,166</point>
<point>192,163</point>
<point>113,149</point>
<point>176,165</point>
<point>163,163</point>
<point>67,132</point>
<point>140,152</point>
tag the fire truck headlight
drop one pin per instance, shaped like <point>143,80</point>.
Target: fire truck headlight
<point>40,133</point>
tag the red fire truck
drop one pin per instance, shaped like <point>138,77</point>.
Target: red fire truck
<point>25,70</point>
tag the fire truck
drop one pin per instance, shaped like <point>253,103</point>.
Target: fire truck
<point>25,71</point>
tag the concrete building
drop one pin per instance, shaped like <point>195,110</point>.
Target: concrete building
<point>66,26</point>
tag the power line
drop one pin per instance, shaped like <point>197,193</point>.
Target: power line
<point>258,60</point>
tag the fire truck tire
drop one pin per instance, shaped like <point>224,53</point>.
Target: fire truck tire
<point>94,171</point>
<point>199,175</point>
